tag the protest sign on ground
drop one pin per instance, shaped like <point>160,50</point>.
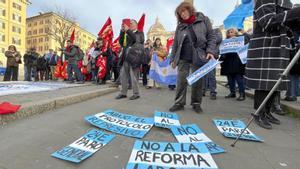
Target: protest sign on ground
<point>166,120</point>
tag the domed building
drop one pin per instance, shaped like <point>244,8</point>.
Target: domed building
<point>158,31</point>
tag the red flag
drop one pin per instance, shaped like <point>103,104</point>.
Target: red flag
<point>107,34</point>
<point>7,108</point>
<point>170,42</point>
<point>92,44</point>
<point>72,38</point>
<point>107,23</point>
<point>141,23</point>
<point>116,45</point>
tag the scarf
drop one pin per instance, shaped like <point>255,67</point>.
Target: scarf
<point>191,20</point>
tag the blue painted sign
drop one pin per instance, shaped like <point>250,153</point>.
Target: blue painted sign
<point>191,133</point>
<point>166,120</point>
<point>232,45</point>
<point>232,128</point>
<point>120,123</point>
<point>243,53</point>
<point>162,155</point>
<point>84,147</point>
<point>204,70</point>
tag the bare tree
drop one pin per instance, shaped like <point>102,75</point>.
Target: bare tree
<point>61,27</point>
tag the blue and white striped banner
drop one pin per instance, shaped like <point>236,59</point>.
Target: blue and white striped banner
<point>166,120</point>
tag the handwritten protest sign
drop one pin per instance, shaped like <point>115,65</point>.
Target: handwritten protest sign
<point>191,133</point>
<point>120,123</point>
<point>209,66</point>
<point>84,147</point>
<point>165,120</point>
<point>232,45</point>
<point>159,155</point>
<point>232,128</point>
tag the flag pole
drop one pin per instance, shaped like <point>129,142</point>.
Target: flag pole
<point>285,73</point>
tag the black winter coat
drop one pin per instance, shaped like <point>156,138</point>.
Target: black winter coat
<point>231,64</point>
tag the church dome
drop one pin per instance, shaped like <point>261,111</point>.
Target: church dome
<point>157,27</point>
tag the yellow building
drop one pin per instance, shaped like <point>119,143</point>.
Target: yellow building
<point>38,36</point>
<point>158,31</point>
<point>12,26</point>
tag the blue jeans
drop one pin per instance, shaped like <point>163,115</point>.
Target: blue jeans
<point>294,88</point>
<point>70,69</point>
<point>232,79</point>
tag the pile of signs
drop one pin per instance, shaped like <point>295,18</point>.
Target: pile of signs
<point>193,150</point>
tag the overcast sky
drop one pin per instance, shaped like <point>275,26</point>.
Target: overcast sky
<point>92,14</point>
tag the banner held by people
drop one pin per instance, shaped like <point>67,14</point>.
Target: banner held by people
<point>191,133</point>
<point>128,125</point>
<point>166,120</point>
<point>233,128</point>
<point>162,155</point>
<point>243,53</point>
<point>232,45</point>
<point>204,70</point>
<point>84,147</point>
<point>162,72</point>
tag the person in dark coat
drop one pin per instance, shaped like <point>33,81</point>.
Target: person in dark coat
<point>269,53</point>
<point>132,42</point>
<point>41,68</point>
<point>233,68</point>
<point>30,60</point>
<point>194,44</point>
<point>12,64</point>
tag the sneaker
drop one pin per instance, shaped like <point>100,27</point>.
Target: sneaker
<point>231,95</point>
<point>134,97</point>
<point>176,107</point>
<point>241,97</point>
<point>279,112</point>
<point>213,97</point>
<point>197,108</point>
<point>261,121</point>
<point>272,119</point>
<point>121,97</point>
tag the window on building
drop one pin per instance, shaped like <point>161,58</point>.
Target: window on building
<point>47,21</point>
<point>41,30</point>
<point>17,17</point>
<point>41,48</point>
<point>2,25</point>
<point>16,40</point>
<point>34,32</point>
<point>29,42</point>
<point>46,30</point>
<point>41,39</point>
<point>2,37</point>
<point>17,6</point>
<point>41,22</point>
<point>34,41</point>
<point>46,39</point>
<point>16,29</point>
<point>2,12</point>
<point>29,33</point>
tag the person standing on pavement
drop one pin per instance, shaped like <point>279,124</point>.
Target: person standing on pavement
<point>53,62</point>
<point>30,60</point>
<point>12,64</point>
<point>132,42</point>
<point>146,66</point>
<point>194,44</point>
<point>233,68</point>
<point>71,53</point>
<point>269,53</point>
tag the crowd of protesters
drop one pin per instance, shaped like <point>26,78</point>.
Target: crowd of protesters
<point>195,43</point>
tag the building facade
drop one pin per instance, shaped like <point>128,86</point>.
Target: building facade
<point>12,26</point>
<point>158,31</point>
<point>37,33</point>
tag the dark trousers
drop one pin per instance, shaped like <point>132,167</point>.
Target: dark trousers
<point>70,69</point>
<point>40,74</point>
<point>184,68</point>
<point>145,73</point>
<point>260,95</point>
<point>236,78</point>
<point>116,71</point>
<point>28,75</point>
<point>11,73</point>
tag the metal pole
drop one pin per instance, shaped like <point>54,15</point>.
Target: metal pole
<point>285,73</point>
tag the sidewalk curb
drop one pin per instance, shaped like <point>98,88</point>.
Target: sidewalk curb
<point>286,107</point>
<point>31,109</point>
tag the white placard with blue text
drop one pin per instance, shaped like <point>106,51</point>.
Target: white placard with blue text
<point>243,53</point>
<point>128,125</point>
<point>162,155</point>
<point>166,120</point>
<point>232,128</point>
<point>84,147</point>
<point>232,45</point>
<point>204,70</point>
<point>191,133</point>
